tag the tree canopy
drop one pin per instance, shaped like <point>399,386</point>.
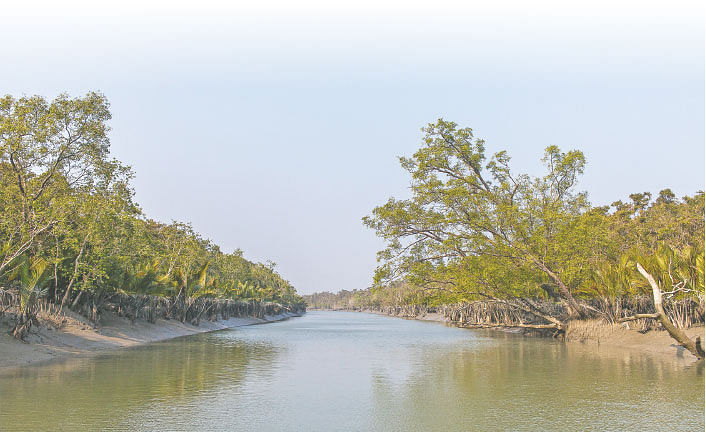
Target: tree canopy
<point>473,228</point>
<point>65,202</point>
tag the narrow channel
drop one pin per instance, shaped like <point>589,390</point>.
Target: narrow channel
<point>347,371</point>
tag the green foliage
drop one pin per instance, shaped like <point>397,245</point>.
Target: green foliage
<point>464,207</point>
<point>678,272</point>
<point>69,224</point>
<point>31,277</point>
<point>474,229</point>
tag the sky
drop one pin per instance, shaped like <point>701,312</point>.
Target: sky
<point>275,126</point>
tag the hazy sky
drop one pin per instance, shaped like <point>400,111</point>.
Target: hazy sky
<point>275,126</point>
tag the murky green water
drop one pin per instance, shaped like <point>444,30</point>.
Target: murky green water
<point>336,371</point>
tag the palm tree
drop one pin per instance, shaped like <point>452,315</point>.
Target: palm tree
<point>187,284</point>
<point>30,275</point>
<point>610,282</point>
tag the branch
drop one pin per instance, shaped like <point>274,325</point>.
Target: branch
<point>638,316</point>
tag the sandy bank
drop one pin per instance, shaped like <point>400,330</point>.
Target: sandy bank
<point>605,337</point>
<point>77,337</point>
<point>621,336</point>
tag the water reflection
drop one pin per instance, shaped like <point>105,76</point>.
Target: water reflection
<point>530,384</point>
<point>357,372</point>
<point>99,393</point>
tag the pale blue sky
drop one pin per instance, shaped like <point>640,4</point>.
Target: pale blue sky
<point>274,128</point>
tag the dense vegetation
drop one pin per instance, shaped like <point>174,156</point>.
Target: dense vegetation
<point>476,231</point>
<point>335,301</point>
<point>71,233</point>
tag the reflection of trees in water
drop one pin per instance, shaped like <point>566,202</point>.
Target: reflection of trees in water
<point>106,389</point>
<point>514,381</point>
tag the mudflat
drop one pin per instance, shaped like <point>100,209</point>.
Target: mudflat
<point>77,337</point>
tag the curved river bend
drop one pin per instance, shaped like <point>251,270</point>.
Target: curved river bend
<point>341,371</point>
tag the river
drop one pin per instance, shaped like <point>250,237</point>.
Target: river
<point>345,371</point>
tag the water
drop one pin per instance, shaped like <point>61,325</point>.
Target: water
<point>338,371</point>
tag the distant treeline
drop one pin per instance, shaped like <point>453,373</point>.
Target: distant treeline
<point>334,301</point>
<point>70,229</point>
<point>475,231</point>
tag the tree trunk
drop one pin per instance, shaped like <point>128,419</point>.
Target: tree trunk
<point>78,297</point>
<point>55,294</point>
<point>67,294</point>
<point>678,335</point>
<point>574,308</point>
<point>21,329</point>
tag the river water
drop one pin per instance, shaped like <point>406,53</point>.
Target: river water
<point>344,371</point>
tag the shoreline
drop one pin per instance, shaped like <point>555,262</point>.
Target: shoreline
<point>591,334</point>
<point>78,338</point>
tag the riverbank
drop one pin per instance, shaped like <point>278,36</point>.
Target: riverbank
<point>600,334</point>
<point>622,336</point>
<point>75,336</point>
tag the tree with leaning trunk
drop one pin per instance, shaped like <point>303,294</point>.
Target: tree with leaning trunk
<point>465,205</point>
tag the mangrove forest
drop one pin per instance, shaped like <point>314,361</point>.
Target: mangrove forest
<point>73,238</point>
<point>487,246</point>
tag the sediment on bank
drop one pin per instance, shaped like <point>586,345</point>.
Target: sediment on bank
<point>76,337</point>
<point>642,336</point>
<point>97,323</point>
<point>125,322</point>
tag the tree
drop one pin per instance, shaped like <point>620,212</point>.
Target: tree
<point>65,203</point>
<point>30,275</point>
<point>47,150</point>
<point>464,207</point>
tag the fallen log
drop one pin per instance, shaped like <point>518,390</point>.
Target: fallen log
<point>638,316</point>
